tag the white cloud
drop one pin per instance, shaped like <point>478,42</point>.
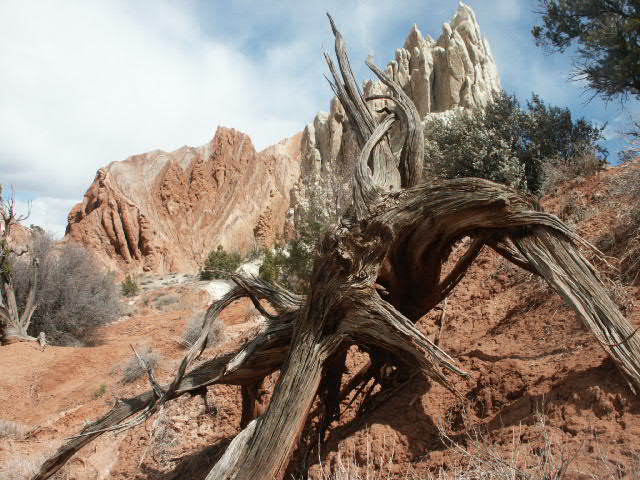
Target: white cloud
<point>87,83</point>
<point>46,212</point>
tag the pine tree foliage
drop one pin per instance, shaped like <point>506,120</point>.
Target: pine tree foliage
<point>291,265</point>
<point>606,37</point>
<point>219,262</point>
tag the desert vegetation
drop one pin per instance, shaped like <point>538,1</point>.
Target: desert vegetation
<point>220,263</point>
<point>141,361</point>
<point>12,430</point>
<point>194,329</point>
<point>531,149</point>
<point>74,296</point>
<point>287,264</point>
<point>130,287</point>
<point>623,240</point>
<point>478,456</point>
<point>14,322</point>
<point>361,325</point>
<point>57,290</point>
<point>290,265</point>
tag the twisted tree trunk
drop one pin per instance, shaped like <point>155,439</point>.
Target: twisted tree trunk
<point>375,274</point>
<point>13,324</point>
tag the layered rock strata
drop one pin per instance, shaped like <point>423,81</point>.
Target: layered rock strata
<point>164,211</point>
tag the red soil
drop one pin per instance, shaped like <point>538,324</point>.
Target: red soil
<point>527,353</point>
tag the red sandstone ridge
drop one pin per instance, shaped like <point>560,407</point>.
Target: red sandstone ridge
<point>163,212</point>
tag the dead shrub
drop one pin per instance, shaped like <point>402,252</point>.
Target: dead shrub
<point>24,467</point>
<point>544,456</point>
<point>164,437</point>
<point>12,430</point>
<point>623,241</point>
<point>164,301</point>
<point>558,171</point>
<point>194,327</point>
<point>542,459</point>
<point>21,468</point>
<point>351,466</point>
<point>133,370</point>
<point>74,295</point>
<point>620,294</point>
<point>575,209</point>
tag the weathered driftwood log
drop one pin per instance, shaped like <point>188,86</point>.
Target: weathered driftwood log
<point>375,274</point>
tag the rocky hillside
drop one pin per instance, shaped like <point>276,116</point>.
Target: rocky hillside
<point>163,212</point>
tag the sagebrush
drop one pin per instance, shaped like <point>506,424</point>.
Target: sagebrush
<point>509,144</point>
<point>134,370</point>
<point>194,327</point>
<point>12,430</point>
<point>74,295</point>
<point>130,287</point>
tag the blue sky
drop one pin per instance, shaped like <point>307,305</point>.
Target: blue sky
<point>89,82</point>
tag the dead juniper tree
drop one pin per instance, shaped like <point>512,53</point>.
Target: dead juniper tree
<point>13,324</point>
<point>375,274</point>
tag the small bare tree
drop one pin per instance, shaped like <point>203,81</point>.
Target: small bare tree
<point>13,324</point>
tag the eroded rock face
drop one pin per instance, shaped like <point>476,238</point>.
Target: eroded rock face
<point>456,71</point>
<point>164,212</point>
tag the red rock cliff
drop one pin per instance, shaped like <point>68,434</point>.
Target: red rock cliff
<point>164,212</point>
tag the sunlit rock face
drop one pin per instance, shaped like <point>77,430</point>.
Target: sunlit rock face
<point>456,71</point>
<point>164,211</point>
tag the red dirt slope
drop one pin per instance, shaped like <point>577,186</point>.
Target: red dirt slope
<point>528,355</point>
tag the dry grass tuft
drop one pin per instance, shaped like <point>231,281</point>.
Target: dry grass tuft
<point>557,171</point>
<point>545,456</point>
<point>623,241</point>
<point>194,328</point>
<point>26,466</point>
<point>12,430</point>
<point>544,459</point>
<point>133,370</point>
<point>371,468</point>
